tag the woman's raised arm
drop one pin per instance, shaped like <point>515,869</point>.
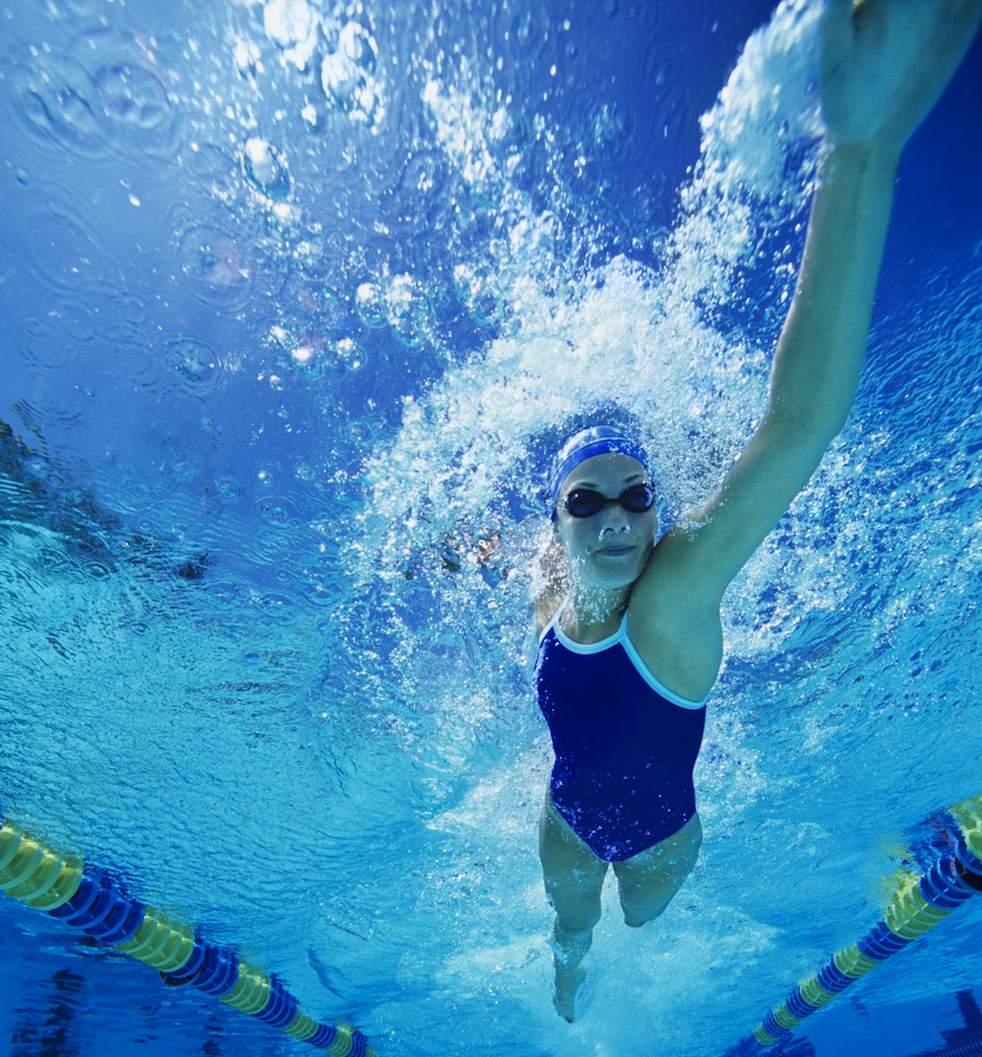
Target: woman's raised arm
<point>884,65</point>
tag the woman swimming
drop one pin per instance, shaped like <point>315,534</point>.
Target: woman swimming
<point>631,638</point>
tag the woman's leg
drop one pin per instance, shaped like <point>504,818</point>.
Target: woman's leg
<point>574,877</point>
<point>649,880</point>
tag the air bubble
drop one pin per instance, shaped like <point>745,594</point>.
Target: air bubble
<point>310,303</point>
<point>346,74</point>
<point>246,56</point>
<point>287,22</point>
<point>349,354</point>
<point>477,291</point>
<point>308,356</point>
<point>370,305</point>
<point>228,487</point>
<point>265,169</point>
<point>408,311</point>
<point>359,46</point>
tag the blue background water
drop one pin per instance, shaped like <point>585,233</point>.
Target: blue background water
<point>293,301</point>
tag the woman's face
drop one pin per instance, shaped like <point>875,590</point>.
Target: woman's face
<point>610,548</point>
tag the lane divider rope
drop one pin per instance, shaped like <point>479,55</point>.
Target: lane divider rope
<point>91,899</point>
<point>920,901</point>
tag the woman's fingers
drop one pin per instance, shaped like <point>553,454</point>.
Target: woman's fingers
<point>886,62</point>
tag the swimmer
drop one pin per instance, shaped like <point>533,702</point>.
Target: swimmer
<point>90,531</point>
<point>631,639</point>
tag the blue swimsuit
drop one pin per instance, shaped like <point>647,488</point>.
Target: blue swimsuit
<point>625,745</point>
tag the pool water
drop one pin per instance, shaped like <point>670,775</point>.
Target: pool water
<point>295,299</point>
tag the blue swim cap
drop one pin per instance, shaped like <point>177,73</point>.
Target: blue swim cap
<point>594,440</point>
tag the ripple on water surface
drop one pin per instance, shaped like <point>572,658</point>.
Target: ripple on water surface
<point>64,252</point>
<point>43,347</point>
<point>54,101</point>
<point>134,107</point>
<point>213,263</point>
<point>197,365</point>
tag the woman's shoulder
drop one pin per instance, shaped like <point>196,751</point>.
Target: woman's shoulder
<point>676,631</point>
<point>670,578</point>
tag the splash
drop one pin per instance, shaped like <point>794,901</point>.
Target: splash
<point>648,340</point>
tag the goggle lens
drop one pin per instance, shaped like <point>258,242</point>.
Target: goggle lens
<point>584,502</point>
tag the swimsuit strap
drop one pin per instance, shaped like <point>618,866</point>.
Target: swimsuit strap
<point>609,640</point>
<point>622,637</point>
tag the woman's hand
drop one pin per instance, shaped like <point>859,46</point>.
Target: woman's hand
<point>886,62</point>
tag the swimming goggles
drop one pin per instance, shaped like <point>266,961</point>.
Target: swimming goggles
<point>584,502</point>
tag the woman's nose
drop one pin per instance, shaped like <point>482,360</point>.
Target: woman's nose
<point>614,519</point>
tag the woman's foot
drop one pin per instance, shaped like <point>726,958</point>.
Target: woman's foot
<point>569,987</point>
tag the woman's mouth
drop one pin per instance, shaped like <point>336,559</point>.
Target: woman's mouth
<point>614,552</point>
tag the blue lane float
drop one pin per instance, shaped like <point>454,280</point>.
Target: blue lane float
<point>93,900</point>
<point>919,902</point>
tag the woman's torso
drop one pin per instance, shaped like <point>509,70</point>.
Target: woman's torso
<point>625,743</point>
<point>677,633</point>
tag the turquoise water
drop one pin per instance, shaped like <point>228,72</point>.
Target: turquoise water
<point>295,299</point>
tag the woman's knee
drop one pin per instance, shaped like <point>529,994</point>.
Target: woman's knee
<point>578,915</point>
<point>648,883</point>
<point>645,898</point>
<point>638,913</point>
<point>576,900</point>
